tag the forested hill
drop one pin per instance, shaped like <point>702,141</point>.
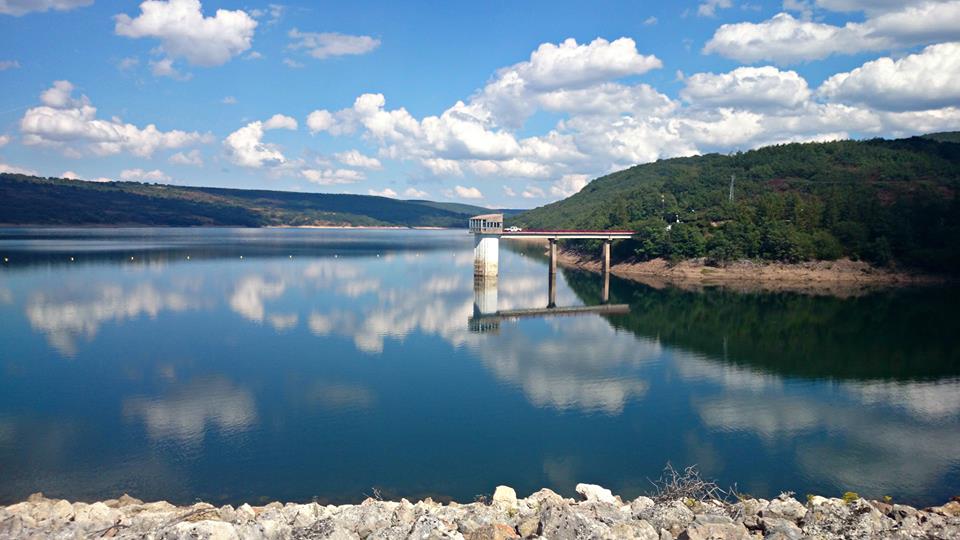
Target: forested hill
<point>29,200</point>
<point>885,201</point>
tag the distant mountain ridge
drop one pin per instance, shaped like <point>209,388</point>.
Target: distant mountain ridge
<point>30,200</point>
<point>885,201</point>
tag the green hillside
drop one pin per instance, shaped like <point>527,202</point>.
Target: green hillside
<point>885,201</point>
<point>28,200</point>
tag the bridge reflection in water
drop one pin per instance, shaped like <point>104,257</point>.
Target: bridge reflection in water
<point>487,318</point>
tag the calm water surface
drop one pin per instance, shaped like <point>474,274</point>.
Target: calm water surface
<point>249,365</point>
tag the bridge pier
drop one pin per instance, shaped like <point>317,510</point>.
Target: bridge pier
<point>606,256</point>
<point>553,256</point>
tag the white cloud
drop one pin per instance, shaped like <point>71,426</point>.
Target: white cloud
<point>353,158</point>
<point>293,64</point>
<point>385,192</point>
<point>229,100</point>
<point>128,63</point>
<point>326,44</point>
<point>509,192</point>
<point>71,125</point>
<point>184,32</point>
<point>747,87</point>
<point>9,64</point>
<point>415,193</point>
<point>650,21</point>
<point>253,55</point>
<point>329,177</point>
<point>467,192</point>
<point>21,7</point>
<point>164,68</point>
<point>274,11</point>
<point>280,121</point>
<point>192,157</point>
<point>13,169</point>
<point>141,175</point>
<point>533,192</point>
<point>927,80</point>
<point>569,64</point>
<point>246,148</point>
<point>4,140</point>
<point>784,39</point>
<point>569,184</point>
<point>72,175</point>
<point>710,7</point>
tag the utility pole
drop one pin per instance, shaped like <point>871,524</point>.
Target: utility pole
<point>732,178</point>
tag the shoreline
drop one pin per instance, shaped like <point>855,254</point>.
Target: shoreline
<point>686,512</point>
<point>842,276</point>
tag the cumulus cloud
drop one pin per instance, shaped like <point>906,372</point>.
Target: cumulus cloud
<point>415,193</point>
<point>569,184</point>
<point>71,124</point>
<point>22,7</point>
<point>192,157</point>
<point>533,192</point>
<point>747,87</point>
<point>184,31</point>
<point>71,175</point>
<point>329,177</point>
<point>385,192</point>
<point>141,175</point>
<point>13,169</point>
<point>353,158</point>
<point>710,7</point>
<point>280,121</point>
<point>229,100</point>
<point>784,39</point>
<point>9,64</point>
<point>927,80</point>
<point>4,140</point>
<point>326,44</point>
<point>246,148</point>
<point>467,192</point>
<point>164,68</point>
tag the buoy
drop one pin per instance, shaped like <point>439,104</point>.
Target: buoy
<point>6,259</point>
<point>188,257</point>
<point>241,256</point>
<point>289,256</point>
<point>71,259</point>
<point>131,258</point>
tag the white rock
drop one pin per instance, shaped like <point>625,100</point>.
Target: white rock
<point>505,496</point>
<point>595,493</point>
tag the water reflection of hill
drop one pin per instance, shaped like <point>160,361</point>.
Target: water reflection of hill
<point>890,334</point>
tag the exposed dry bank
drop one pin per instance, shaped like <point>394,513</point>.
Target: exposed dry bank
<point>544,514</point>
<point>843,272</point>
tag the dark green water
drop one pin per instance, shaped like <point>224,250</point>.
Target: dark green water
<point>323,364</point>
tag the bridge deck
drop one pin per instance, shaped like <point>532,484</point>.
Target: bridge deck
<point>568,234</point>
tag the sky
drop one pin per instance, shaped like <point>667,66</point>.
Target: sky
<point>498,104</point>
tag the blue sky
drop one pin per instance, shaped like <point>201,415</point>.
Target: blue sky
<point>501,104</point>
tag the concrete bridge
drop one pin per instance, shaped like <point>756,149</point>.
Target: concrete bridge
<point>488,230</point>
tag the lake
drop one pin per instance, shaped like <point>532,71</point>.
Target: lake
<point>249,365</point>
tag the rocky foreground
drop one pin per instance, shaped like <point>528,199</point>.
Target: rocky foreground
<point>599,514</point>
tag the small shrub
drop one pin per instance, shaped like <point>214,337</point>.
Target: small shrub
<point>850,496</point>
